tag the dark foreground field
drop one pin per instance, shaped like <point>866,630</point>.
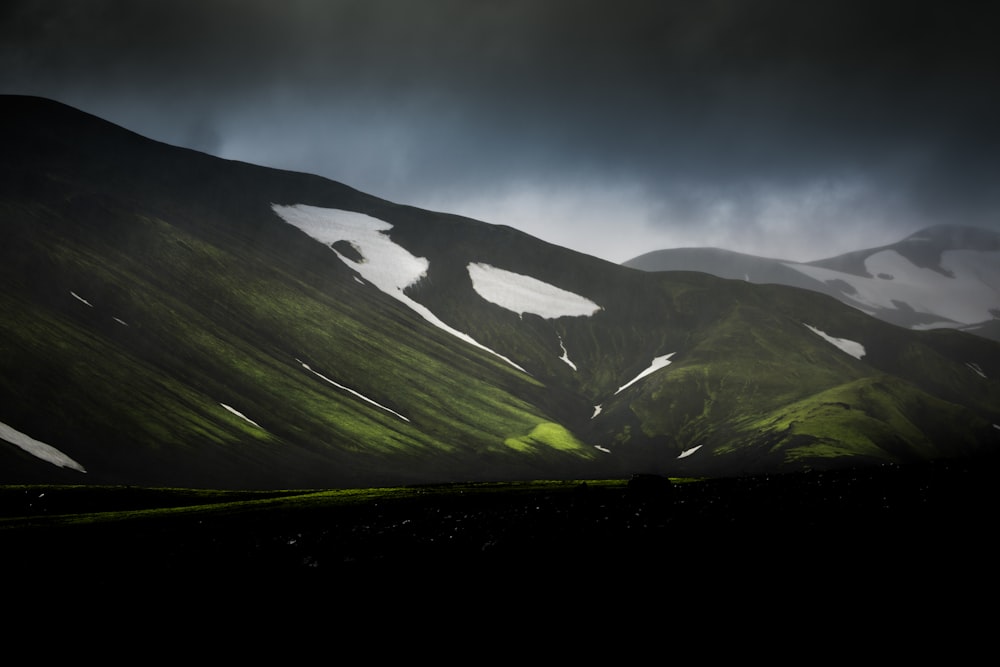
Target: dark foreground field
<point>926,521</point>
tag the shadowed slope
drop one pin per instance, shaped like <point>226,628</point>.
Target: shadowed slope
<point>163,323</point>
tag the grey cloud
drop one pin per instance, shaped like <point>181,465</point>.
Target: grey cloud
<point>706,111</point>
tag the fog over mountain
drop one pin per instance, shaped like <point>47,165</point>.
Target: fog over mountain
<point>775,128</point>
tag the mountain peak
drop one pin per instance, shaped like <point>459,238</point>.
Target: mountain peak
<point>940,276</point>
<point>43,115</point>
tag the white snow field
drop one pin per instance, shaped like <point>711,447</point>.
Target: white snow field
<point>658,363</point>
<point>351,391</point>
<point>524,294</point>
<point>387,265</point>
<point>856,350</point>
<point>37,448</point>
<point>966,298</point>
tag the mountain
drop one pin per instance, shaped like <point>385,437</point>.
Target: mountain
<point>169,318</point>
<point>942,276</point>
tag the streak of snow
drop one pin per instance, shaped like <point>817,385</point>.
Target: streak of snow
<point>976,369</point>
<point>351,391</point>
<point>121,322</point>
<point>597,411</point>
<point>688,452</point>
<point>856,350</point>
<point>524,294</point>
<point>603,449</point>
<point>241,415</point>
<point>658,363</point>
<point>81,299</point>
<point>966,298</point>
<point>37,448</point>
<point>996,426</point>
<point>565,355</point>
<point>387,265</point>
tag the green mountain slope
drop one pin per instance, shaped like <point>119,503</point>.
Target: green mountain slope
<point>161,323</point>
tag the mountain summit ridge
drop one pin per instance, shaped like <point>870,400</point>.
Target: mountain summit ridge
<point>939,276</point>
<point>165,322</point>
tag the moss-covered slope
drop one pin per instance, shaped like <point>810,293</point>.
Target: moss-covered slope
<point>161,324</point>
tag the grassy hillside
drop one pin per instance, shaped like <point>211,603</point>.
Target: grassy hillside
<point>162,325</point>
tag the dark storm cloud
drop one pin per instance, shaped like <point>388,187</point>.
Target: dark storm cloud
<point>725,123</point>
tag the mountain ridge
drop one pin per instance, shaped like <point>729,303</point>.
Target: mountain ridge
<point>164,324</point>
<point>939,276</point>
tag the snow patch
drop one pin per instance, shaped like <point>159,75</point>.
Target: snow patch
<point>597,411</point>
<point>658,363</point>
<point>565,355</point>
<point>37,448</point>
<point>603,449</point>
<point>688,452</point>
<point>351,391</point>
<point>966,298</point>
<point>976,369</point>
<point>387,265</point>
<point>856,350</point>
<point>81,299</point>
<point>524,294</point>
<point>241,415</point>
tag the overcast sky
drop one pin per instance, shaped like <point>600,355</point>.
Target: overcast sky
<point>796,129</point>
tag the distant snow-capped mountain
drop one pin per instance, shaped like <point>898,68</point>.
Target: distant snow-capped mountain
<point>944,276</point>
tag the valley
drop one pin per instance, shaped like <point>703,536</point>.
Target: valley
<point>827,524</point>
